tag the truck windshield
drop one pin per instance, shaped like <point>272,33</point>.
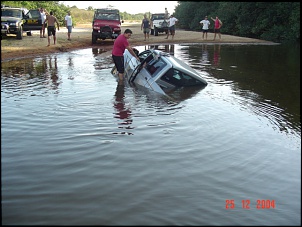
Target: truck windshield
<point>158,17</point>
<point>107,16</point>
<point>11,13</point>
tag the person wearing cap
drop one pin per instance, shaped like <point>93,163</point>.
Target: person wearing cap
<point>205,27</point>
<point>172,22</point>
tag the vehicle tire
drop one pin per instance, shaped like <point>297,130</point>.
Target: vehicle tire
<point>155,31</point>
<point>20,33</point>
<point>94,38</point>
<point>29,33</point>
<point>152,31</point>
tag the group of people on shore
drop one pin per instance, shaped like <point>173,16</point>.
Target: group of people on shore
<point>49,21</point>
<point>205,27</point>
<point>146,26</point>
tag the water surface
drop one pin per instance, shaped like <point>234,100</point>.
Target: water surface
<point>77,149</point>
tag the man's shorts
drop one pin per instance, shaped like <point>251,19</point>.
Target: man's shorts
<point>217,30</point>
<point>69,28</point>
<point>205,30</point>
<point>146,30</point>
<point>119,63</point>
<point>172,28</point>
<point>51,30</point>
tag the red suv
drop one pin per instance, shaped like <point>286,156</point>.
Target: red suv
<point>106,24</point>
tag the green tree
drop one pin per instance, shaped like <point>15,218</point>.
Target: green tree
<point>273,21</point>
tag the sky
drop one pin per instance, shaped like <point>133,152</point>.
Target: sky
<point>131,7</point>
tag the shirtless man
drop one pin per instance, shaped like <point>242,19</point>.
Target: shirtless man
<point>51,29</point>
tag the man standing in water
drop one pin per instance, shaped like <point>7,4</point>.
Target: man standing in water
<point>51,29</point>
<point>120,44</point>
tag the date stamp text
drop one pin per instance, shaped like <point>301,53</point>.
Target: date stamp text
<point>246,204</point>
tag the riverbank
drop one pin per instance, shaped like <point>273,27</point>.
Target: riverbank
<point>30,46</point>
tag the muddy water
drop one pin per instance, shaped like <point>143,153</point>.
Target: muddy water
<point>79,150</point>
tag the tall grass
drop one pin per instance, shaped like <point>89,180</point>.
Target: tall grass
<point>80,16</point>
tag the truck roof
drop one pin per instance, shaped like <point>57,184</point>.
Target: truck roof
<point>107,10</point>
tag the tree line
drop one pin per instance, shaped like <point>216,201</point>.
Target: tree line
<point>271,21</point>
<point>60,10</point>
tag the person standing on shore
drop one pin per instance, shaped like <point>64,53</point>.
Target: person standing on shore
<point>217,27</point>
<point>51,29</point>
<point>120,44</point>
<point>68,24</point>
<point>205,27</point>
<point>43,18</point>
<point>146,26</point>
<point>166,14</point>
<point>172,22</point>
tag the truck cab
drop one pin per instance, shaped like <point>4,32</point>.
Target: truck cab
<point>159,24</point>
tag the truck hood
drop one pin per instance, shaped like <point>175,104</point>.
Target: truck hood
<point>111,23</point>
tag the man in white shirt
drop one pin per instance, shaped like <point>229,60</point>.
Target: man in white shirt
<point>68,24</point>
<point>172,22</point>
<point>43,18</point>
<point>205,27</point>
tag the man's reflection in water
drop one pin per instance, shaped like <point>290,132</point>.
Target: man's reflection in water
<point>171,50</point>
<point>122,111</point>
<point>216,57</point>
<point>166,48</point>
<point>205,55</point>
<point>53,70</point>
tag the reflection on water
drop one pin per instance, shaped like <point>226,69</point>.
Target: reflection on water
<point>168,48</point>
<point>78,148</point>
<point>123,112</point>
<point>205,55</point>
<point>39,74</point>
<point>251,76</point>
<point>216,58</point>
<point>96,51</point>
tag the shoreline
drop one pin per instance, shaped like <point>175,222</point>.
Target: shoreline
<point>32,46</point>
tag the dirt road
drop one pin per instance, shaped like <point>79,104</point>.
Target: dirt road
<point>11,48</point>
